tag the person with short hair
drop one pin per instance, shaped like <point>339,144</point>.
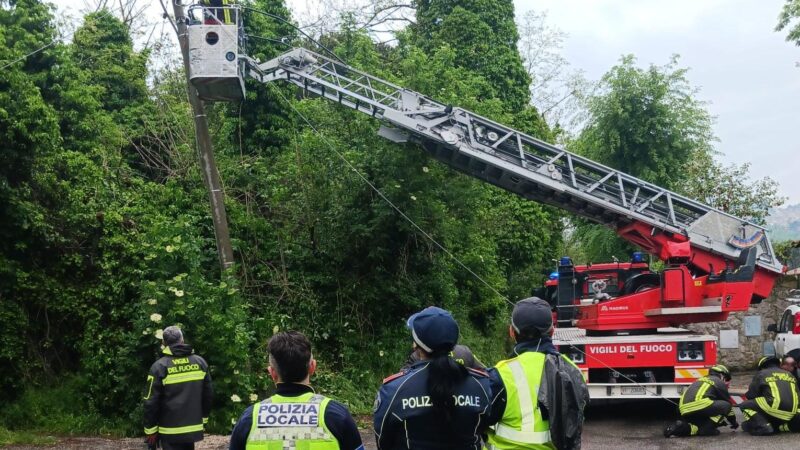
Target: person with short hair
<point>539,394</point>
<point>178,394</point>
<point>436,402</point>
<point>296,417</point>
<point>772,400</point>
<point>705,406</point>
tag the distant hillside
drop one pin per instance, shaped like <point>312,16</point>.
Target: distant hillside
<point>784,223</point>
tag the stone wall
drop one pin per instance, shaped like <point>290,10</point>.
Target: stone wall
<point>750,347</point>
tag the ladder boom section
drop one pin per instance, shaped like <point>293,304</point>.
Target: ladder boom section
<point>641,212</point>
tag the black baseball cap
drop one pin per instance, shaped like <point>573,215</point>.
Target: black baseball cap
<point>532,315</point>
<point>433,329</point>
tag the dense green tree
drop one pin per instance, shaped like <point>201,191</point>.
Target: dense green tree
<point>649,123</point>
<point>645,122</point>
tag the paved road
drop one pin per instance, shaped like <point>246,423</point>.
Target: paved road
<point>638,426</point>
<point>622,426</point>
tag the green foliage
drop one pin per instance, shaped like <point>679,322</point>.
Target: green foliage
<point>788,20</point>
<point>647,122</point>
<point>729,188</point>
<point>61,409</point>
<point>484,37</point>
<point>106,236</point>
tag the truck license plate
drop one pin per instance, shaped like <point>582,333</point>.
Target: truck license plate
<point>633,390</point>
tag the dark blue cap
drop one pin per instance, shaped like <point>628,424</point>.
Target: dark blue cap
<point>434,329</point>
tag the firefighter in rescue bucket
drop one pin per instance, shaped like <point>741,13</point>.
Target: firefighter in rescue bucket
<point>771,404</point>
<point>295,417</point>
<point>215,13</point>
<point>435,403</point>
<point>177,396</point>
<point>538,394</point>
<point>705,406</point>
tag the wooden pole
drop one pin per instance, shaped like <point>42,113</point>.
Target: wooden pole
<point>208,164</point>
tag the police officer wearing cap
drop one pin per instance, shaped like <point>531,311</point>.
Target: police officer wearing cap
<point>772,402</point>
<point>537,390</point>
<point>435,403</point>
<point>705,406</point>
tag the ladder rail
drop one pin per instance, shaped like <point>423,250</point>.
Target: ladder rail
<point>585,185</point>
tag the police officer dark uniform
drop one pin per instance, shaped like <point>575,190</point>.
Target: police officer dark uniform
<point>705,406</point>
<point>539,395</point>
<point>177,396</point>
<point>772,400</point>
<point>435,403</point>
<point>295,417</point>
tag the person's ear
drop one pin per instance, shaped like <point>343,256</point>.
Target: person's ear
<point>273,373</point>
<point>312,367</point>
<point>552,331</point>
<point>511,333</point>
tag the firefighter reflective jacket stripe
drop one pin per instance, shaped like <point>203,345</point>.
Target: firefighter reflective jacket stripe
<point>775,391</point>
<point>779,390</point>
<point>291,423</point>
<point>177,395</point>
<point>522,425</point>
<point>696,397</point>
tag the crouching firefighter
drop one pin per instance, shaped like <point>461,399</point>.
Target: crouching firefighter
<point>771,404</point>
<point>705,406</point>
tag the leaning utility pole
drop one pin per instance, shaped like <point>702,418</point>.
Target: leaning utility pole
<point>208,165</point>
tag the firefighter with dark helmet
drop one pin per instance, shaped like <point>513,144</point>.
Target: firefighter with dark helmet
<point>705,406</point>
<point>771,404</point>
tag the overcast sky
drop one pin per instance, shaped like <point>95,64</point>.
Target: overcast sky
<point>747,73</point>
<point>745,70</point>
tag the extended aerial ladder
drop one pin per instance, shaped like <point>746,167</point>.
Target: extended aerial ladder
<point>716,263</point>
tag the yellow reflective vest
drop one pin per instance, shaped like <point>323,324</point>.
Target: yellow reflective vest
<point>522,425</point>
<point>296,423</point>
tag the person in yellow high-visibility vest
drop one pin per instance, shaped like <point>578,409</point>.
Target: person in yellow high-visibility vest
<point>216,13</point>
<point>539,394</point>
<point>295,417</point>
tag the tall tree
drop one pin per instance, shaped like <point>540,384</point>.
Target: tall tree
<point>645,122</point>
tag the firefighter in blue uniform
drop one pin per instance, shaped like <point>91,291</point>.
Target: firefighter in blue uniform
<point>177,397</point>
<point>295,417</point>
<point>436,402</point>
<point>705,406</point>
